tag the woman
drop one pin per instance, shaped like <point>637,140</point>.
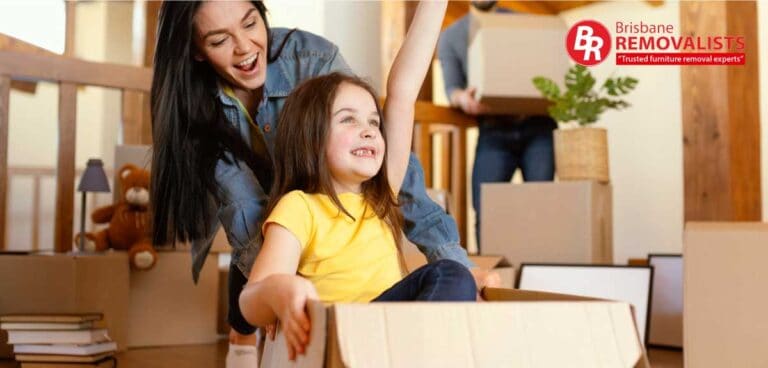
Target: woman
<point>221,77</point>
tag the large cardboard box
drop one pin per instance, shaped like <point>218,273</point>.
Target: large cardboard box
<point>68,283</point>
<point>506,51</point>
<point>167,308</point>
<point>724,301</point>
<point>519,329</point>
<point>566,222</point>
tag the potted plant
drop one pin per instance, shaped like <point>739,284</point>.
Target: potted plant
<point>582,153</point>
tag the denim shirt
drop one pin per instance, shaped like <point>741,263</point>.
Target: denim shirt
<point>304,56</point>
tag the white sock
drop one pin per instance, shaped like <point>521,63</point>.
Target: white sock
<point>242,356</point>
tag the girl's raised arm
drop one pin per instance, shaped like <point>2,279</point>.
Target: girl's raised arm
<point>405,78</point>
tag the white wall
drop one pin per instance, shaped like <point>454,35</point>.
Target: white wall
<point>645,141</point>
<point>302,14</point>
<point>354,26</point>
<point>39,22</point>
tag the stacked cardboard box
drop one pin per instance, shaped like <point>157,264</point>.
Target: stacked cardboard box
<point>158,307</point>
<point>564,222</point>
<point>724,303</point>
<point>68,284</point>
<point>167,308</point>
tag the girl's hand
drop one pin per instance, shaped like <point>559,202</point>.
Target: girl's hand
<point>290,306</point>
<point>485,278</point>
<point>270,331</point>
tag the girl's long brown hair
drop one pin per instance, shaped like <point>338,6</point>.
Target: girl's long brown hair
<point>301,142</point>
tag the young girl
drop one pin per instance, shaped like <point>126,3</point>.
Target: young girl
<point>221,77</point>
<point>333,216</point>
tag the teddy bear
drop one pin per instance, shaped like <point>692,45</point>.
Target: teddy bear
<point>128,221</point>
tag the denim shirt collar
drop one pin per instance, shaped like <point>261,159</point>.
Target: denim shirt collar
<point>275,85</point>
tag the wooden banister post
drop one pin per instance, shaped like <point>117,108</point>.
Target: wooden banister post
<point>65,168</point>
<point>721,118</point>
<point>458,181</point>
<point>5,95</point>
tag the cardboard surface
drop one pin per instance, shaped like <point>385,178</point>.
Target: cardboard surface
<point>533,46</point>
<point>167,308</point>
<point>519,329</point>
<point>68,283</point>
<point>563,222</point>
<point>724,303</point>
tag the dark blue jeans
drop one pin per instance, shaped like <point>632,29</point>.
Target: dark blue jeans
<point>444,280</point>
<point>503,146</point>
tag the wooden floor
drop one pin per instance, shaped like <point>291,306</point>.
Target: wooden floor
<point>210,356</point>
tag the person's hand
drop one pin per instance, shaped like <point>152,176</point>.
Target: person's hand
<point>465,99</point>
<point>290,306</point>
<point>484,278</point>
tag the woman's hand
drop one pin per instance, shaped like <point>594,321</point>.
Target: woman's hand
<point>289,303</point>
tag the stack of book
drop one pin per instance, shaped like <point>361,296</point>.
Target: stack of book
<point>72,340</point>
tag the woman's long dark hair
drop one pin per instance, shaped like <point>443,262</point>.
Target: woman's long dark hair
<point>190,132</point>
<point>301,142</point>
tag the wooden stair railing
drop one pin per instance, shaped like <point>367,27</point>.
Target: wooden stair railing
<point>68,73</point>
<point>432,120</point>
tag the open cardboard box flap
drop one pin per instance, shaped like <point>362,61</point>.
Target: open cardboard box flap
<point>518,329</point>
<point>490,262</point>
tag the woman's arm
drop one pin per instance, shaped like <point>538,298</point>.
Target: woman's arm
<point>275,292</point>
<point>405,79</point>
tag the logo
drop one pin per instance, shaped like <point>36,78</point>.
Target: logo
<point>588,42</point>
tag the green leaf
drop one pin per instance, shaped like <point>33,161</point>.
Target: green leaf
<point>547,87</point>
<point>579,100</point>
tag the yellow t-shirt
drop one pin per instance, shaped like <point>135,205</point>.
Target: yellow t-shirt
<point>347,260</point>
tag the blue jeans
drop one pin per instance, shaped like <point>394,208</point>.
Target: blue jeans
<point>505,145</point>
<point>444,280</point>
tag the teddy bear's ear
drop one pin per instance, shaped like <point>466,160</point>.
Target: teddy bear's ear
<point>126,170</point>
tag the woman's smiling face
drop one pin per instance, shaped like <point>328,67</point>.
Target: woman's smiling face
<point>232,37</point>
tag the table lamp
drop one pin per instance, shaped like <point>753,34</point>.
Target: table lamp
<point>93,180</point>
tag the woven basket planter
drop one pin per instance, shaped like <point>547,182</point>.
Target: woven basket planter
<point>581,154</point>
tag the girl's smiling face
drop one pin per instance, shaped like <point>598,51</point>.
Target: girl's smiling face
<point>355,148</point>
